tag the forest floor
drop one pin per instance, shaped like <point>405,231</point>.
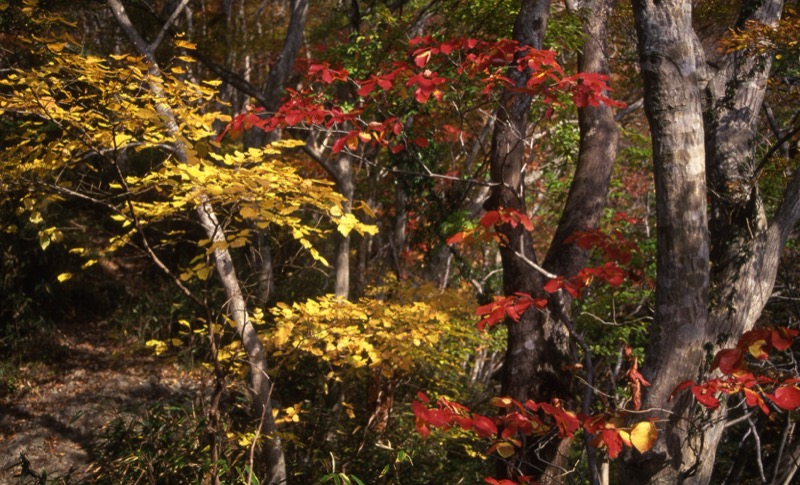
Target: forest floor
<point>61,401</point>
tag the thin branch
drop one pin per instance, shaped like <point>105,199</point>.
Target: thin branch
<point>759,460</point>
<point>157,41</point>
<point>777,146</point>
<point>533,265</point>
<point>146,245</point>
<point>738,420</point>
<point>318,157</point>
<point>444,177</point>
<point>629,109</point>
<point>782,448</point>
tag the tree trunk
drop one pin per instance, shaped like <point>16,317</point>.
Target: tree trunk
<point>345,186</point>
<point>272,93</point>
<point>399,239</point>
<point>744,252</point>
<point>237,306</point>
<point>539,348</point>
<point>671,67</point>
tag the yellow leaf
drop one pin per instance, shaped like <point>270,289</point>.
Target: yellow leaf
<point>643,436</point>
<point>248,212</point>
<point>121,138</point>
<point>367,210</point>
<point>282,335</point>
<point>158,346</point>
<point>44,240</point>
<point>346,224</point>
<point>505,449</point>
<point>756,349</point>
<point>64,277</point>
<point>625,436</point>
<point>204,272</point>
<point>185,44</point>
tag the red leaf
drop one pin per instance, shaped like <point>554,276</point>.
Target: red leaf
<point>753,398</point>
<point>786,397</point>
<point>509,430</point>
<point>553,285</point>
<point>782,338</point>
<point>420,142</point>
<point>505,481</point>
<point>422,428</point>
<point>386,84</point>
<point>350,140</point>
<point>613,442</point>
<point>490,219</point>
<point>438,417</point>
<point>366,88</point>
<point>680,387</point>
<point>705,396</point>
<point>483,426</point>
<point>729,361</point>
<point>457,237</point>
<point>421,57</point>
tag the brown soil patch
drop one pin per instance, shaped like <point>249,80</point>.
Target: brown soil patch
<point>59,406</point>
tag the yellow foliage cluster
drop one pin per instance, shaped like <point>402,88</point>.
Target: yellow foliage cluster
<point>390,337</point>
<point>81,117</point>
<point>783,38</point>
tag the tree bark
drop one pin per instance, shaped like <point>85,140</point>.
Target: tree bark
<point>745,248</point>
<point>671,66</point>
<point>345,185</point>
<point>237,306</point>
<point>341,171</point>
<point>745,251</point>
<point>539,348</point>
<point>281,68</point>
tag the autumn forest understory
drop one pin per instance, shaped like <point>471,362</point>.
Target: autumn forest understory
<point>399,242</point>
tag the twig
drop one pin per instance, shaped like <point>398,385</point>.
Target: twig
<point>530,263</point>
<point>444,177</point>
<point>154,45</point>
<point>758,450</point>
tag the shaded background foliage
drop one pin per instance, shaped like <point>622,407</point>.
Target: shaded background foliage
<point>336,406</point>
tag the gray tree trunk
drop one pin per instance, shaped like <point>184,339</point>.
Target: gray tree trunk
<point>237,306</point>
<point>739,273</point>
<point>539,347</point>
<point>672,66</point>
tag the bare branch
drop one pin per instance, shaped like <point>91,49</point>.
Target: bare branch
<point>157,41</point>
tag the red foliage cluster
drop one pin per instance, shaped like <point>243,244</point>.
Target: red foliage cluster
<point>485,63</point>
<point>507,306</point>
<point>530,419</point>
<point>739,377</point>
<point>615,247</point>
